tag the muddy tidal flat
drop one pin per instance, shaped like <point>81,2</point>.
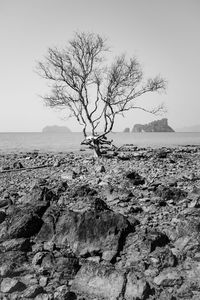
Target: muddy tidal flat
<point>125,226</point>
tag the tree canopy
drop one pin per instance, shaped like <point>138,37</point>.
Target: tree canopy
<point>93,92</point>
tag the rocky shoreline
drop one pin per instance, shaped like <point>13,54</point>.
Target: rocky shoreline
<point>124,226</point>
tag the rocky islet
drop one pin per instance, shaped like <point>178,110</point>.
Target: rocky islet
<point>124,226</point>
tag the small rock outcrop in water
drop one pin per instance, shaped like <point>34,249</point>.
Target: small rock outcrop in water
<point>127,129</point>
<point>155,126</point>
<point>55,129</point>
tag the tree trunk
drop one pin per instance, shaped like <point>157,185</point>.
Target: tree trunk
<point>97,151</point>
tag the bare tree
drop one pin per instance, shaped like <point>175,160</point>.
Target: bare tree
<point>94,94</point>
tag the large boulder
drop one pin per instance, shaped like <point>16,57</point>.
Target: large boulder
<point>99,281</point>
<point>93,232</point>
<point>27,220</point>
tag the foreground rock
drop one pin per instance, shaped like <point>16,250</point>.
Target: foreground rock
<point>120,228</point>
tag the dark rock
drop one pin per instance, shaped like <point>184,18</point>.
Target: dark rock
<point>33,291</point>
<point>2,216</point>
<point>5,203</point>
<point>162,154</point>
<point>99,205</point>
<point>156,239</point>
<point>168,193</point>
<point>100,169</point>
<point>11,285</point>
<point>13,263</point>
<point>25,225</point>
<point>135,178</point>
<point>67,266</point>
<point>163,258</point>
<point>49,223</point>
<point>18,165</point>
<point>84,190</point>
<point>92,232</point>
<point>20,244</point>
<point>39,194</point>
<point>70,296</point>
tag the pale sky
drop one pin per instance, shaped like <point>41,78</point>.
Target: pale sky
<point>163,34</point>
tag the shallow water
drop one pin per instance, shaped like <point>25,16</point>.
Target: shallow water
<point>29,141</point>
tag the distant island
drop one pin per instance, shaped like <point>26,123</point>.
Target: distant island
<point>155,126</point>
<point>127,129</point>
<point>55,129</point>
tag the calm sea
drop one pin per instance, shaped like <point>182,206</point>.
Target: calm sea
<point>15,142</point>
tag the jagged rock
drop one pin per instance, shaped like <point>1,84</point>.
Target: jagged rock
<point>26,222</point>
<point>155,126</point>
<point>163,258</point>
<point>33,291</point>
<point>100,169</point>
<point>92,232</point>
<point>4,203</point>
<point>84,190</point>
<point>168,277</point>
<point>18,165</point>
<point>99,205</point>
<point>25,226</point>
<point>70,296</point>
<point>20,244</point>
<point>12,262</point>
<point>98,281</point>
<point>38,194</point>
<point>68,266</point>
<point>37,259</point>
<point>135,178</point>
<point>68,175</point>
<point>29,280</point>
<point>156,239</point>
<point>136,288</point>
<point>168,193</point>
<point>43,281</point>
<point>2,216</point>
<point>10,285</point>
<point>46,234</point>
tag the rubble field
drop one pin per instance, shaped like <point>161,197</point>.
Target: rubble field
<point>125,226</point>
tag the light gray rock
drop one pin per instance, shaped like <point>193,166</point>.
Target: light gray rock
<point>98,281</point>
<point>136,288</point>
<point>168,277</point>
<point>10,285</point>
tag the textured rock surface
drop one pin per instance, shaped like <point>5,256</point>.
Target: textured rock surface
<point>99,281</point>
<point>125,227</point>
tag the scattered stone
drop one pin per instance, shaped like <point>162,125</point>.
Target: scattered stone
<point>168,277</point>
<point>98,281</point>
<point>33,291</point>
<point>10,285</point>
<point>18,165</point>
<point>2,216</point>
<point>113,229</point>
<point>136,288</point>
<point>135,178</point>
